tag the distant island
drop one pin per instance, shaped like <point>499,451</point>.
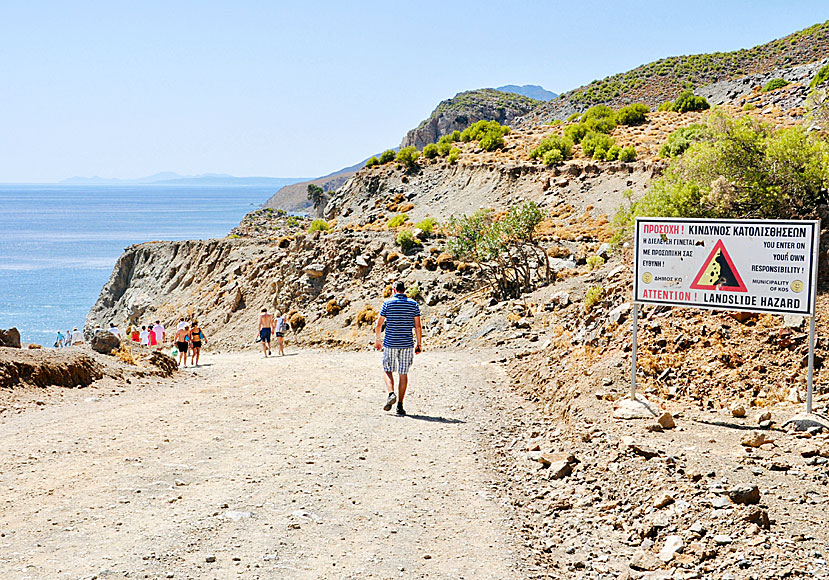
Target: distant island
<point>170,178</point>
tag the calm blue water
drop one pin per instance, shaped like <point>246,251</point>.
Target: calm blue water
<point>58,243</point>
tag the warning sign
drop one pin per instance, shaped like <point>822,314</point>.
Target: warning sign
<point>753,265</point>
<point>719,273</point>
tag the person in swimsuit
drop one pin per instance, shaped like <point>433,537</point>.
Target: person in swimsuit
<point>265,327</point>
<point>152,336</point>
<point>280,328</point>
<point>196,338</point>
<point>182,341</point>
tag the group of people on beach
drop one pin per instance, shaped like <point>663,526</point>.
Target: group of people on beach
<point>272,324</point>
<point>71,338</point>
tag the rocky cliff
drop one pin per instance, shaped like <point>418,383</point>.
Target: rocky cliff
<point>466,108</point>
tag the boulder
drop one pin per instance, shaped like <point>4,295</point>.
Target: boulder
<point>738,411</point>
<point>755,439</point>
<point>10,337</point>
<point>744,494</point>
<point>105,342</point>
<point>315,270</point>
<point>666,421</point>
<point>639,408</point>
<point>673,544</point>
<point>445,262</point>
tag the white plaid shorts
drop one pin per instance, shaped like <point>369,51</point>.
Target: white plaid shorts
<point>397,360</point>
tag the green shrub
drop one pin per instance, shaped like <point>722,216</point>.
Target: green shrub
<point>372,161</point>
<point>774,84</point>
<point>489,134</point>
<point>561,145</point>
<point>431,151</point>
<point>687,101</point>
<point>427,224</point>
<point>596,145</point>
<point>599,118</point>
<point>553,157</point>
<point>573,117</point>
<point>413,291</point>
<point>407,157</point>
<point>575,133</point>
<point>454,155</point>
<point>406,240</point>
<point>593,297</point>
<point>666,106</point>
<point>634,114</point>
<point>594,262</point>
<point>749,107</point>
<point>627,154</point>
<point>397,220</point>
<point>681,139</point>
<point>387,156</point>
<point>744,168</point>
<point>821,77</point>
<point>444,147</point>
<point>319,226</point>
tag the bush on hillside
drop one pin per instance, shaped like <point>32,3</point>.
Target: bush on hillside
<point>406,240</point>
<point>426,224</point>
<point>372,161</point>
<point>634,114</point>
<point>397,220</point>
<point>407,157</point>
<point>504,249</point>
<point>431,151</point>
<point>575,133</point>
<point>821,77</point>
<point>319,226</point>
<point>744,168</point>
<point>573,117</point>
<point>454,155</point>
<point>774,84</point>
<point>686,102</point>
<point>550,144</point>
<point>681,139</point>
<point>387,156</point>
<point>627,153</point>
<point>489,134</point>
<point>597,145</point>
<point>599,118</point>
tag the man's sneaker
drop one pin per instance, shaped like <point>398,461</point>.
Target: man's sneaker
<point>390,401</point>
<point>400,410</point>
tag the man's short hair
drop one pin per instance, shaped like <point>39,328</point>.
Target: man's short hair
<point>400,287</point>
<point>264,310</point>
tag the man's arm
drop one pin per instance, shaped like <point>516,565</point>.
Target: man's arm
<point>418,334</point>
<point>378,328</point>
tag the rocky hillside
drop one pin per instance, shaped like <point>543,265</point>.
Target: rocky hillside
<point>466,108</point>
<point>536,92</point>
<point>662,80</point>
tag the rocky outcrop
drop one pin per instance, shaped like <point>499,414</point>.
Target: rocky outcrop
<point>105,342</point>
<point>10,337</point>
<point>69,367</point>
<point>464,109</point>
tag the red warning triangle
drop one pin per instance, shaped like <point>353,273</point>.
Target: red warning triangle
<point>718,272</point>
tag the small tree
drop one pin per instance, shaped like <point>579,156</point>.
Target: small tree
<point>407,157</point>
<point>316,195</point>
<point>504,249</point>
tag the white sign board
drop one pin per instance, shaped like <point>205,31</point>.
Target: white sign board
<point>753,265</point>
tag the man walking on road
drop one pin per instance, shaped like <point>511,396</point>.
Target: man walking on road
<point>401,315</point>
<point>265,326</point>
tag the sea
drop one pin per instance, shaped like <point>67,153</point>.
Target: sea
<point>59,243</point>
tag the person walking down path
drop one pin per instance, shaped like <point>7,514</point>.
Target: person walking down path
<point>281,326</point>
<point>158,331</point>
<point>196,339</point>
<point>114,330</point>
<point>59,340</point>
<point>77,336</point>
<point>401,315</point>
<point>265,328</point>
<point>182,342</point>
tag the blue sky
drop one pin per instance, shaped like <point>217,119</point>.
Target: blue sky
<point>126,89</point>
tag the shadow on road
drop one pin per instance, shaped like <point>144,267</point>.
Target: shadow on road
<point>431,419</point>
<point>732,425</point>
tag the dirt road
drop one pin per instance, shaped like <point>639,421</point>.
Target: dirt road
<point>258,468</point>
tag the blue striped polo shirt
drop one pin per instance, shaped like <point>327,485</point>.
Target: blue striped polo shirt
<point>400,313</point>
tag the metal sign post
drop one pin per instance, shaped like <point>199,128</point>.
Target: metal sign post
<point>633,369</point>
<point>809,379</point>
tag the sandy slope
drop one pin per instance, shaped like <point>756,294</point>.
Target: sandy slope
<point>278,468</point>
